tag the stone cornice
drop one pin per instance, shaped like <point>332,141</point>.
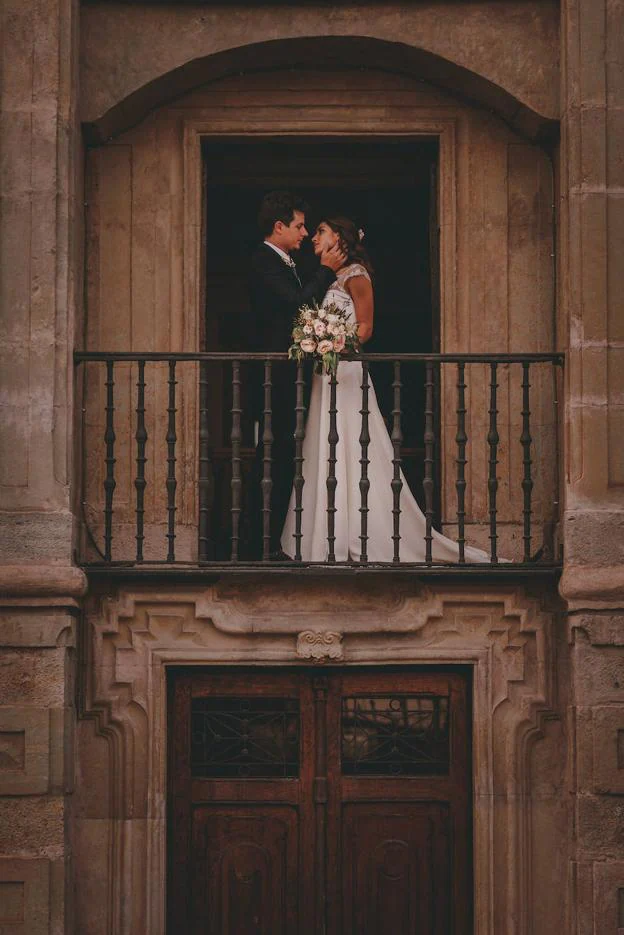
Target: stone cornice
<point>597,587</point>
<point>34,580</point>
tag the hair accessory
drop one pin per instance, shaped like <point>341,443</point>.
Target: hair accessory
<point>361,234</point>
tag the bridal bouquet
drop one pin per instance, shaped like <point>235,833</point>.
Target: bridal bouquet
<point>323,332</point>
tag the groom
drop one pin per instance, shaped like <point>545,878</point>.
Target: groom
<point>276,294</point>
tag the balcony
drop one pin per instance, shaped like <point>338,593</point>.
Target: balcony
<point>169,443</point>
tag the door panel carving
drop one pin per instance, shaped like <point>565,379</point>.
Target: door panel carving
<point>396,866</point>
<point>330,804</point>
<point>244,871</point>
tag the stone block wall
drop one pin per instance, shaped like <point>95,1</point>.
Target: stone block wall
<point>37,715</point>
<point>596,721</point>
<point>40,169</point>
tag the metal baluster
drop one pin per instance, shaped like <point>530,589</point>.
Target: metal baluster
<point>332,482</point>
<point>493,439</point>
<point>206,479</point>
<point>397,438</point>
<point>525,439</point>
<point>461,438</point>
<point>141,439</point>
<point>364,462</point>
<point>267,482</point>
<point>171,484</point>
<point>299,478</point>
<point>109,480</point>
<point>549,550</point>
<point>235,437</point>
<point>429,438</point>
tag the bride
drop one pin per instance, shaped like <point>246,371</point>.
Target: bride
<point>353,291</point>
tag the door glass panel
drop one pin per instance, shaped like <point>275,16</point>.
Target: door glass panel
<point>244,738</point>
<point>395,735</point>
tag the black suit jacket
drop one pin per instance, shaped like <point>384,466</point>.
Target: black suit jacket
<point>276,297</point>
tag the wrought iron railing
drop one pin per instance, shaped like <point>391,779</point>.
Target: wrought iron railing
<point>168,441</point>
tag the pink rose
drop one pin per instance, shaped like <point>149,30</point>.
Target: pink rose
<point>325,346</point>
<point>339,342</point>
<point>308,345</point>
<point>319,328</point>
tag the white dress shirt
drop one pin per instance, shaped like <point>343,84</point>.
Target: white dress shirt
<point>288,260</point>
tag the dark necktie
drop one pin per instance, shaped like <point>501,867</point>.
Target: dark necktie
<point>291,264</point>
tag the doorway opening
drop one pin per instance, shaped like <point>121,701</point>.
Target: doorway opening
<point>389,187</point>
<point>308,802</point>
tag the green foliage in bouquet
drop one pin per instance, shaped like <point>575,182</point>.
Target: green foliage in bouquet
<point>323,333</point>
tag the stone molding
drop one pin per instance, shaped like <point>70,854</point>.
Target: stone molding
<point>24,751</point>
<point>607,730</point>
<point>136,635</point>
<point>592,587</point>
<point>44,627</point>
<point>37,580</point>
<point>600,629</point>
<point>24,896</point>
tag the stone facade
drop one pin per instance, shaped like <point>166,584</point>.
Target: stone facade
<point>82,700</point>
<point>518,742</point>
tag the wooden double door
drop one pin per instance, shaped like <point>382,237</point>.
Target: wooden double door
<point>333,803</point>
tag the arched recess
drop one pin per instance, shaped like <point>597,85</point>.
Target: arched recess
<point>144,259</point>
<point>325,52</point>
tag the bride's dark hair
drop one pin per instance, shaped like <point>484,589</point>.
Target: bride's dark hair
<point>350,238</point>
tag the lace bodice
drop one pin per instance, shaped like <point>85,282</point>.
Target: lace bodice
<point>348,272</point>
<point>338,292</point>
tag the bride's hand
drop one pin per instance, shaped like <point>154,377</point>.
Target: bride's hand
<point>334,257</point>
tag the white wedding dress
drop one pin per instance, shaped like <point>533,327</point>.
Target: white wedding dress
<point>347,519</point>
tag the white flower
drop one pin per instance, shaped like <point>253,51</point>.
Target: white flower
<point>322,313</point>
<point>325,346</point>
<point>331,328</point>
<point>308,345</point>
<point>331,317</point>
<point>307,314</point>
<point>308,329</point>
<point>319,328</point>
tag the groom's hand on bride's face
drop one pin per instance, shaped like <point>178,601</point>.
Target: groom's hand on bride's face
<point>334,257</point>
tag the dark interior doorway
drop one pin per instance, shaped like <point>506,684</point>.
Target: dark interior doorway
<point>390,189</point>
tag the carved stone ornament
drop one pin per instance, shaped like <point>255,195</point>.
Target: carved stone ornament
<point>505,637</point>
<point>319,646</point>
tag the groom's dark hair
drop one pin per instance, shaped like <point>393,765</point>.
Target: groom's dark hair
<point>279,206</point>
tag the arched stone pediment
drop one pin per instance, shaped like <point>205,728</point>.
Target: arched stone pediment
<point>120,89</point>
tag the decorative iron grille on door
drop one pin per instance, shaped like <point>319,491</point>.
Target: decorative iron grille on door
<point>319,803</point>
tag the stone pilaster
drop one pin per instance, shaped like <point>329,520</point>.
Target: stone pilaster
<point>38,266</point>
<point>39,586</point>
<point>592,240</point>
